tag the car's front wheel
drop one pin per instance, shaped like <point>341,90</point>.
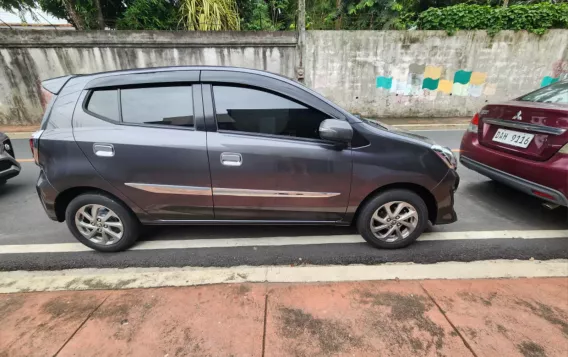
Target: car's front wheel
<point>101,222</point>
<point>393,219</point>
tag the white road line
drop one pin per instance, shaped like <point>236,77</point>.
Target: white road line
<point>129,278</point>
<point>432,125</point>
<point>460,130</point>
<point>280,241</point>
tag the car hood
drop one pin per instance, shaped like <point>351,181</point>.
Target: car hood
<point>397,131</point>
<point>3,136</point>
<point>408,134</point>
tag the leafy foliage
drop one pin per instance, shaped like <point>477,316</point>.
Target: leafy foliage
<point>149,15</point>
<point>536,18</point>
<point>276,15</point>
<point>86,10</point>
<point>267,15</point>
<point>210,15</point>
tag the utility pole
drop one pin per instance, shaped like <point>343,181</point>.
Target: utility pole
<point>301,27</point>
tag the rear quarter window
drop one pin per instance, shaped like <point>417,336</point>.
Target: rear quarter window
<point>104,103</point>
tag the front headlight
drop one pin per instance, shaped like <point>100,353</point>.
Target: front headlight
<point>446,155</point>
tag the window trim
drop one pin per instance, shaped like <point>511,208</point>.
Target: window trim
<point>264,135</point>
<point>147,85</point>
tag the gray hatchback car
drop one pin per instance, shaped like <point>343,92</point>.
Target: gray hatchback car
<point>221,145</point>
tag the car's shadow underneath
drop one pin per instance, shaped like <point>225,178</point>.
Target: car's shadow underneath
<point>493,203</point>
<point>240,231</point>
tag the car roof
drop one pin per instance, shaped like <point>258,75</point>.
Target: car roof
<point>188,68</point>
<point>243,70</point>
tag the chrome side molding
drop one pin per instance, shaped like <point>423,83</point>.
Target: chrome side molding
<point>207,191</point>
<point>270,193</point>
<point>172,189</point>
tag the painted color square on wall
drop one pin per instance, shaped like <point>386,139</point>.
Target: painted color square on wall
<point>462,77</point>
<point>445,86</point>
<point>433,72</point>
<point>475,90</point>
<point>478,78</point>
<point>384,82</point>
<point>490,89</point>
<point>431,84</point>
<point>548,81</point>
<point>460,90</point>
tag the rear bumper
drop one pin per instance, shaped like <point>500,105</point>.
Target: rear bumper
<point>548,177</point>
<point>47,195</point>
<point>9,167</point>
<point>516,182</point>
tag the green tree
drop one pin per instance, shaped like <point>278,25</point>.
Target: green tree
<point>83,14</point>
<point>150,15</point>
<point>210,15</point>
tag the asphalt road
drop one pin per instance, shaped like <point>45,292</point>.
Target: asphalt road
<point>481,204</point>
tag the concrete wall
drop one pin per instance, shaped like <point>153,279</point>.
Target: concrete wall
<point>428,73</point>
<point>28,57</point>
<point>374,73</point>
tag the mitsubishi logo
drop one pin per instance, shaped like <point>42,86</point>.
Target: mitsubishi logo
<point>518,116</point>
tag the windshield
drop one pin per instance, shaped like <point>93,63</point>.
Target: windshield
<point>554,93</point>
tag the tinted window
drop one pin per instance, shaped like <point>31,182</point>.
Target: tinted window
<point>256,111</point>
<point>555,93</point>
<point>104,103</point>
<point>158,105</point>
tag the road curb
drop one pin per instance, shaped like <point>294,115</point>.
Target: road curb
<point>131,278</point>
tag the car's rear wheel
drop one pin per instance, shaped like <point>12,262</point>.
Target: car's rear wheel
<point>101,222</point>
<point>393,219</point>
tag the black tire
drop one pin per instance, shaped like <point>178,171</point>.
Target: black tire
<point>131,225</point>
<point>364,218</point>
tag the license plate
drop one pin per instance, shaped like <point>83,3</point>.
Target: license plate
<point>514,138</point>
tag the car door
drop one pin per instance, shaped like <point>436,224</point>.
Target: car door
<point>144,134</point>
<point>267,161</point>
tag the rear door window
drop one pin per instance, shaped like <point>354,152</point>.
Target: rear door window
<point>104,103</point>
<point>168,105</point>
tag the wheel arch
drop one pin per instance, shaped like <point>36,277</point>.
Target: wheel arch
<point>65,197</point>
<point>421,191</point>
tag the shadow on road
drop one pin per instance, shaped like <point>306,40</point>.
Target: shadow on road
<point>224,231</point>
<point>509,203</point>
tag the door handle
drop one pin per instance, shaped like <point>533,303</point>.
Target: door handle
<point>103,150</point>
<point>231,159</point>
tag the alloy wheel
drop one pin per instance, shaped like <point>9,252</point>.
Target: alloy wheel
<point>394,221</point>
<point>99,224</point>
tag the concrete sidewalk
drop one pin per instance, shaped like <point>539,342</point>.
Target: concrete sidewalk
<point>500,317</point>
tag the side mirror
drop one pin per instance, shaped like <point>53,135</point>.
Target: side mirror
<point>336,130</point>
